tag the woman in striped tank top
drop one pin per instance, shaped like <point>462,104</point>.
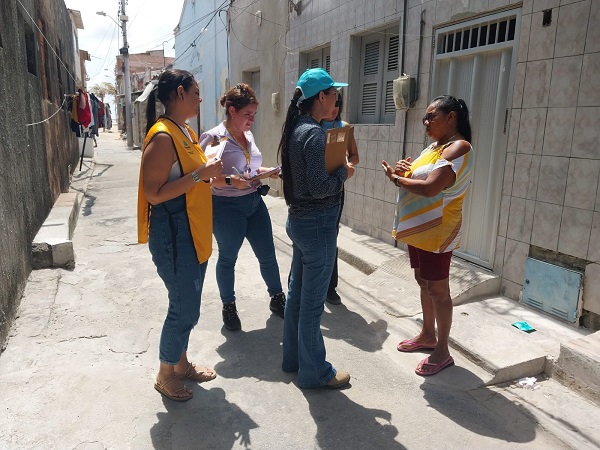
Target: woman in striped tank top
<point>429,217</point>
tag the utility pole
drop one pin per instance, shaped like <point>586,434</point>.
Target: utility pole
<point>127,77</point>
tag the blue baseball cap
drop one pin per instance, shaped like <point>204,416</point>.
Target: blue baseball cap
<point>313,81</point>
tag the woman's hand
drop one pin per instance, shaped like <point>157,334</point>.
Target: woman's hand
<point>211,169</point>
<point>388,170</point>
<point>402,166</point>
<point>239,182</point>
<point>351,170</point>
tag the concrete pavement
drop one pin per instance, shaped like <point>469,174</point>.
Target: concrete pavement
<point>79,366</point>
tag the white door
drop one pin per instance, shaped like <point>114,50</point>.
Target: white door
<point>475,61</point>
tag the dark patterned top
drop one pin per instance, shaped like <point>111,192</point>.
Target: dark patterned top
<point>314,188</point>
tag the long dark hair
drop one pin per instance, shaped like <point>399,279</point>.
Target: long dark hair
<point>339,103</point>
<point>294,111</point>
<point>447,103</point>
<point>166,90</point>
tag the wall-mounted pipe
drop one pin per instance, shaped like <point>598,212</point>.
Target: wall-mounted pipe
<point>402,71</point>
<point>422,27</point>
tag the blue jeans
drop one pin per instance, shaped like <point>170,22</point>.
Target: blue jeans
<point>236,218</point>
<point>176,262</point>
<point>314,239</point>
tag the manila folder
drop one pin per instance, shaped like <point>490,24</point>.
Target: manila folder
<point>336,147</point>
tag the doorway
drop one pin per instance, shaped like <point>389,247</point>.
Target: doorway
<point>476,61</point>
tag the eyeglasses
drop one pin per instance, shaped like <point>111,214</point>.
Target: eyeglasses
<point>429,117</point>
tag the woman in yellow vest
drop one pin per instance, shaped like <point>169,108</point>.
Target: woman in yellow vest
<point>175,218</point>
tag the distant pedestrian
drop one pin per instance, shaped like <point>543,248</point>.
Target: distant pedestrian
<point>107,116</point>
<point>175,218</point>
<point>335,121</point>
<point>429,218</point>
<point>313,198</point>
<point>239,211</point>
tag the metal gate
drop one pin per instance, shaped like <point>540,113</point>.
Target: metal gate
<point>475,61</point>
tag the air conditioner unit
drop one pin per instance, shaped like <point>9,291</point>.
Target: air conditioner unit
<point>403,90</point>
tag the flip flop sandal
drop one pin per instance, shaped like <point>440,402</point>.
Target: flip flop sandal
<point>201,375</point>
<point>426,368</point>
<point>408,345</point>
<point>162,388</point>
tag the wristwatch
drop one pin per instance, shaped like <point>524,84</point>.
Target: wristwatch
<point>228,180</point>
<point>396,181</point>
<point>195,177</point>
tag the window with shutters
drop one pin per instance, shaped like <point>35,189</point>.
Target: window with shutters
<point>318,58</point>
<point>378,68</point>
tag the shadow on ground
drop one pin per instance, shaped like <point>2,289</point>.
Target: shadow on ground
<point>208,421</point>
<point>451,393</point>
<point>342,423</point>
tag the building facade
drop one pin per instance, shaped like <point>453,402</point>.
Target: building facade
<point>143,67</point>
<point>201,48</point>
<point>37,148</point>
<point>528,72</point>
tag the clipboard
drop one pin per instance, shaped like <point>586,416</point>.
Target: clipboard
<point>337,145</point>
<point>266,174</point>
<point>216,151</point>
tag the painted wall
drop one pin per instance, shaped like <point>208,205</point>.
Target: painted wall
<point>258,51</point>
<point>35,159</point>
<point>201,48</point>
<point>550,196</point>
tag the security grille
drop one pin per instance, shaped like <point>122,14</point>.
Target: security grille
<point>476,36</point>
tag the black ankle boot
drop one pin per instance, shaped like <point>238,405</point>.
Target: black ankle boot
<point>277,304</point>
<point>231,320</point>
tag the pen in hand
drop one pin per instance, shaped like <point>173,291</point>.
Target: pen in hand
<point>242,177</point>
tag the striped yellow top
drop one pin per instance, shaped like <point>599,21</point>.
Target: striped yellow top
<point>433,223</point>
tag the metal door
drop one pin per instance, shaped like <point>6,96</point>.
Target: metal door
<point>475,61</point>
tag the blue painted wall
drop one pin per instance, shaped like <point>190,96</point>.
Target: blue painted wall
<point>201,48</point>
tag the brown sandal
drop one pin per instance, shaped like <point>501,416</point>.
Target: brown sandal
<point>162,388</point>
<point>199,374</point>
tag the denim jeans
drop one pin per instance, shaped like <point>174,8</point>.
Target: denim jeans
<point>236,218</point>
<point>176,262</point>
<point>334,275</point>
<point>314,243</point>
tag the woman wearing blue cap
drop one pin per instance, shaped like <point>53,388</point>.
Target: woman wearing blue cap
<point>313,198</point>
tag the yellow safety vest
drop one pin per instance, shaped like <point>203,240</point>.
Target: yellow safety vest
<point>198,201</point>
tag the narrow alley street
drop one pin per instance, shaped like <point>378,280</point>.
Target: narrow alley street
<point>80,363</point>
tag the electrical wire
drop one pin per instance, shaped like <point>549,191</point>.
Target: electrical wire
<point>188,27</point>
<point>46,120</point>
<point>193,43</point>
<point>112,39</point>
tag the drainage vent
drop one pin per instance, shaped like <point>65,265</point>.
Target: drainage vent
<point>553,289</point>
